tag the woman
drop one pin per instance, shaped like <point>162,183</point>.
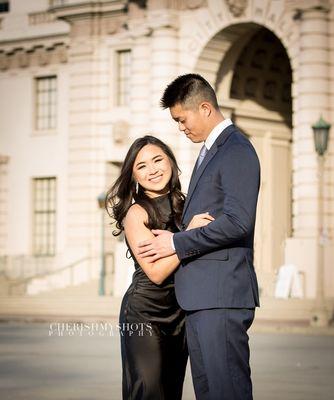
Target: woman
<point>147,195</point>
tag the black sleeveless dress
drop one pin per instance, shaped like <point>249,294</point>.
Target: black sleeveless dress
<point>152,328</point>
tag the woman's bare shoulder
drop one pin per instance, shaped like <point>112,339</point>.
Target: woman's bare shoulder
<point>136,213</point>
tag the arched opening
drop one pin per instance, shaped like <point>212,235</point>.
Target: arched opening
<point>250,70</point>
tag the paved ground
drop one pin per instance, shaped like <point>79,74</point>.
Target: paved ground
<point>39,364</point>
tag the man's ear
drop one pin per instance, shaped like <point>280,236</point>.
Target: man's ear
<point>205,109</point>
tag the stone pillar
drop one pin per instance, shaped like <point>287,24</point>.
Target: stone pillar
<point>4,192</point>
<point>164,68</point>
<point>87,141</point>
<point>311,99</point>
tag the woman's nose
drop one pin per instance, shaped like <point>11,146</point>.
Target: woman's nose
<point>152,168</point>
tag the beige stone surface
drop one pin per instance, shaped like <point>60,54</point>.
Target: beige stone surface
<point>93,132</point>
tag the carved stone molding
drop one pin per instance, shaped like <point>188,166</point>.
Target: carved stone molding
<point>4,159</point>
<point>22,58</point>
<point>192,4</point>
<point>43,56</point>
<point>35,56</point>
<point>120,132</point>
<point>237,7</point>
<point>4,61</point>
<point>61,53</point>
<point>169,19</point>
<point>305,5</point>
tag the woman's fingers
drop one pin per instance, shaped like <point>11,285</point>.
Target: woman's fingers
<point>205,216</point>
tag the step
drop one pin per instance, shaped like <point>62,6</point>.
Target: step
<point>94,306</point>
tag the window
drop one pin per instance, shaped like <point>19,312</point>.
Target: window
<point>46,102</point>
<point>4,6</point>
<point>123,77</point>
<point>44,224</point>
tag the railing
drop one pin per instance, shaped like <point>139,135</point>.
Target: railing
<point>41,18</point>
<point>57,3</point>
<point>60,3</point>
<point>25,281</point>
<point>24,272</point>
<point>23,266</point>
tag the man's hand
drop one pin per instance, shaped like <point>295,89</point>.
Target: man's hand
<point>158,247</point>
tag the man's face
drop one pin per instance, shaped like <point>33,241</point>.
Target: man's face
<point>192,122</point>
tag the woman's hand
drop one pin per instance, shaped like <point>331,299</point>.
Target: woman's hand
<point>199,220</point>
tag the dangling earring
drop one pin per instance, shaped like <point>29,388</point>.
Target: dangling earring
<point>137,187</point>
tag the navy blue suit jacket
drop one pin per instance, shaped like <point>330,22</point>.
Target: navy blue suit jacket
<point>216,269</point>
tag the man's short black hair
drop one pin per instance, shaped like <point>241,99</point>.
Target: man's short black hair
<point>189,90</point>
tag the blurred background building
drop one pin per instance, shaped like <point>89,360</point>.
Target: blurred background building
<point>80,80</point>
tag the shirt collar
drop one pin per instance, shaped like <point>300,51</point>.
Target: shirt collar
<point>216,131</point>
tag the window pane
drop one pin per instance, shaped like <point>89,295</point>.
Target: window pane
<point>46,102</point>
<point>44,216</point>
<point>123,77</point>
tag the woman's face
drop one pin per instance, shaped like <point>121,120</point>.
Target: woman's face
<point>152,170</point>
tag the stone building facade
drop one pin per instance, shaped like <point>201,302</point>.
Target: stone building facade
<point>80,80</point>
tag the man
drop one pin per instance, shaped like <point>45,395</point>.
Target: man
<point>216,282</point>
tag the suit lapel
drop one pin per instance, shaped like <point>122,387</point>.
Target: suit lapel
<point>211,153</point>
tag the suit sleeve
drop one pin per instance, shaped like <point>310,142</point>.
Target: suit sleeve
<point>240,179</point>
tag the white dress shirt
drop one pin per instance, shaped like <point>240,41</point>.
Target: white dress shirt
<point>216,131</point>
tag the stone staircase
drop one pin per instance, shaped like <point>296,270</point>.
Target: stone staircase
<point>56,307</point>
<point>83,303</point>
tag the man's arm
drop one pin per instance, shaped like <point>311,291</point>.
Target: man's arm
<point>240,180</point>
<point>240,184</point>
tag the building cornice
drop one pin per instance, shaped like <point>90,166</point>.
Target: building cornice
<point>71,9</point>
<point>36,55</point>
<point>308,5</point>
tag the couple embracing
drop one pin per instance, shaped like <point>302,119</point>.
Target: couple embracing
<point>194,281</point>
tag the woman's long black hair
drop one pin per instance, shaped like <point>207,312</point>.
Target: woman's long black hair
<point>123,192</point>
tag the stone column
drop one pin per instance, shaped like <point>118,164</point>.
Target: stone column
<point>88,138</point>
<point>140,96</point>
<point>311,99</point>
<point>164,68</point>
<point>4,189</point>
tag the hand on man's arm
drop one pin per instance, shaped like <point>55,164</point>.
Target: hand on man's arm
<point>158,247</point>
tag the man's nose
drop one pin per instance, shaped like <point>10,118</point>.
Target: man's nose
<point>181,127</point>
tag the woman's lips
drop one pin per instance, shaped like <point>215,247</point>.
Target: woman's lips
<point>156,178</point>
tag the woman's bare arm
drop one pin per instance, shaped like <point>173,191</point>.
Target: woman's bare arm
<point>136,231</point>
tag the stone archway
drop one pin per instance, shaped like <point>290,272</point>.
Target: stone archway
<point>253,82</point>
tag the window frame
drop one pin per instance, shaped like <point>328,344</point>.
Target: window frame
<point>119,102</point>
<point>50,128</point>
<point>48,224</point>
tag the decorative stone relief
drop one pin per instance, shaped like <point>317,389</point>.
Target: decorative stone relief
<point>4,159</point>
<point>237,7</point>
<point>263,72</point>
<point>251,86</point>
<point>61,54</point>
<point>23,59</point>
<point>39,55</point>
<point>194,3</point>
<point>269,90</point>
<point>42,58</point>
<point>120,132</point>
<point>4,61</point>
<point>304,5</point>
<point>41,18</point>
